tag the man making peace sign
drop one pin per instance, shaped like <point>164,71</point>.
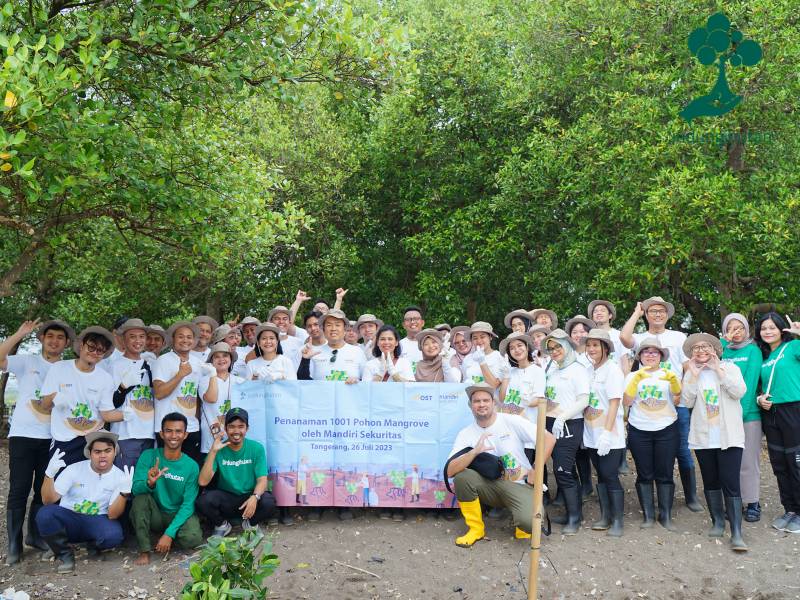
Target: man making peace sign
<point>164,490</point>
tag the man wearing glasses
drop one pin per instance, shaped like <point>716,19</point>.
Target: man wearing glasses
<point>657,312</point>
<point>80,395</point>
<point>413,323</point>
<point>334,360</point>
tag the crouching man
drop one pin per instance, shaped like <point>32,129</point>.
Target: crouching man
<point>91,496</point>
<point>241,465</point>
<point>164,491</point>
<point>476,472</point>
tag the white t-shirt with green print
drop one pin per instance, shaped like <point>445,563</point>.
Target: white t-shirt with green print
<point>214,412</point>
<point>508,436</point>
<point>497,363</point>
<point>183,398</point>
<point>85,491</point>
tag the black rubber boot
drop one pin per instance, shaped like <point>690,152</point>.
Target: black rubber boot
<point>666,496</point>
<point>733,508</point>
<point>14,520</point>
<point>717,512</point>
<point>584,466</point>
<point>605,512</point>
<point>572,500</point>
<point>62,550</point>
<point>559,498</point>
<point>645,493</point>
<point>616,502</point>
<point>624,469</point>
<point>33,539</point>
<point>690,490</point>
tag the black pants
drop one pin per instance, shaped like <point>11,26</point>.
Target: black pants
<point>565,451</point>
<point>607,467</point>
<point>781,425</point>
<point>654,452</point>
<point>73,450</point>
<point>720,470</point>
<point>530,453</point>
<point>27,461</point>
<point>190,447</point>
<point>218,506</point>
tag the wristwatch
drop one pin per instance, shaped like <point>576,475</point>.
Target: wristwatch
<point>257,496</point>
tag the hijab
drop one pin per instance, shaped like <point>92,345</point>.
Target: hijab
<point>743,320</point>
<point>429,370</point>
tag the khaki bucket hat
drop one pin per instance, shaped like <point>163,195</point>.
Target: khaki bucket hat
<point>538,311</point>
<point>659,300</point>
<point>595,303</point>
<point>76,346</point>
<point>515,335</point>
<point>55,322</point>
<point>697,338</point>
<point>482,327</point>
<point>588,323</point>
<point>652,342</point>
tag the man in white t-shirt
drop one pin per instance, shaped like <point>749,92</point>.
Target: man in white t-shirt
<point>29,434</point>
<point>336,360</point>
<point>156,342</point>
<point>175,381</point>
<point>248,326</point>
<point>79,394</point>
<point>657,312</point>
<point>205,330</point>
<point>85,501</point>
<point>367,328</point>
<point>413,323</point>
<point>281,317</point>
<point>603,313</point>
<point>133,380</point>
<point>503,436</point>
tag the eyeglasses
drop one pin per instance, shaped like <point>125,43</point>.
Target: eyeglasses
<point>651,351</point>
<point>552,347</point>
<point>92,349</point>
<point>703,347</point>
<point>412,320</point>
<point>657,312</point>
<point>333,355</point>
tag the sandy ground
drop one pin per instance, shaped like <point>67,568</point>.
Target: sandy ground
<point>417,559</point>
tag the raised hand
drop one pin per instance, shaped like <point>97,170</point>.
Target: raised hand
<point>208,369</point>
<point>218,444</point>
<point>639,310</point>
<point>484,445</point>
<point>479,356</point>
<point>154,474</point>
<point>794,326</point>
<point>308,351</point>
<point>340,293</point>
<point>391,368</point>
<point>445,345</point>
<point>185,368</point>
<point>234,322</point>
<point>56,464</point>
<point>27,328</point>
<point>384,362</point>
<point>132,378</point>
<point>301,296</point>
<point>126,482</point>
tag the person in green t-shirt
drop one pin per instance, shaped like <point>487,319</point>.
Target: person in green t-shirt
<point>780,403</point>
<point>241,489</point>
<point>739,348</point>
<point>164,490</point>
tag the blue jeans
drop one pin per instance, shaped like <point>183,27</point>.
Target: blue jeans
<point>685,460</point>
<point>104,532</point>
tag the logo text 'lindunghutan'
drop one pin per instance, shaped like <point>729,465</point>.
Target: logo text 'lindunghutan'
<point>723,138</point>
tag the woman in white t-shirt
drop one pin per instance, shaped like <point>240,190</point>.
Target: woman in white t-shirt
<point>521,391</point>
<point>434,366</point>
<point>387,364</point>
<point>270,364</point>
<point>485,363</point>
<point>603,433</point>
<point>518,320</point>
<point>652,393</point>
<point>567,394</point>
<point>215,390</point>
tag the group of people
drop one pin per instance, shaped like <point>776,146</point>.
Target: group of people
<point>147,410</point>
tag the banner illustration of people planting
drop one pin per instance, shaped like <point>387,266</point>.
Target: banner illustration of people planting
<point>332,444</point>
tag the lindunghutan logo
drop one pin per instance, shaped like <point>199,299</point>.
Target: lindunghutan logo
<point>719,42</point>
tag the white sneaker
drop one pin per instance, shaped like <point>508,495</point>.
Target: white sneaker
<point>223,529</point>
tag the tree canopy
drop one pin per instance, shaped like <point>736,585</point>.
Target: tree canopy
<point>172,158</point>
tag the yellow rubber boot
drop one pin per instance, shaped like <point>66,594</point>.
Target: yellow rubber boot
<point>474,520</point>
<point>521,535</point>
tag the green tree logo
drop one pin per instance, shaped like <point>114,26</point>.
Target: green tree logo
<point>719,42</point>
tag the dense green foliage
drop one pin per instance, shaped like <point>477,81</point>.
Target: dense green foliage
<point>471,156</point>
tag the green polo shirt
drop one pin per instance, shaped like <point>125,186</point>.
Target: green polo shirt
<point>786,381</point>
